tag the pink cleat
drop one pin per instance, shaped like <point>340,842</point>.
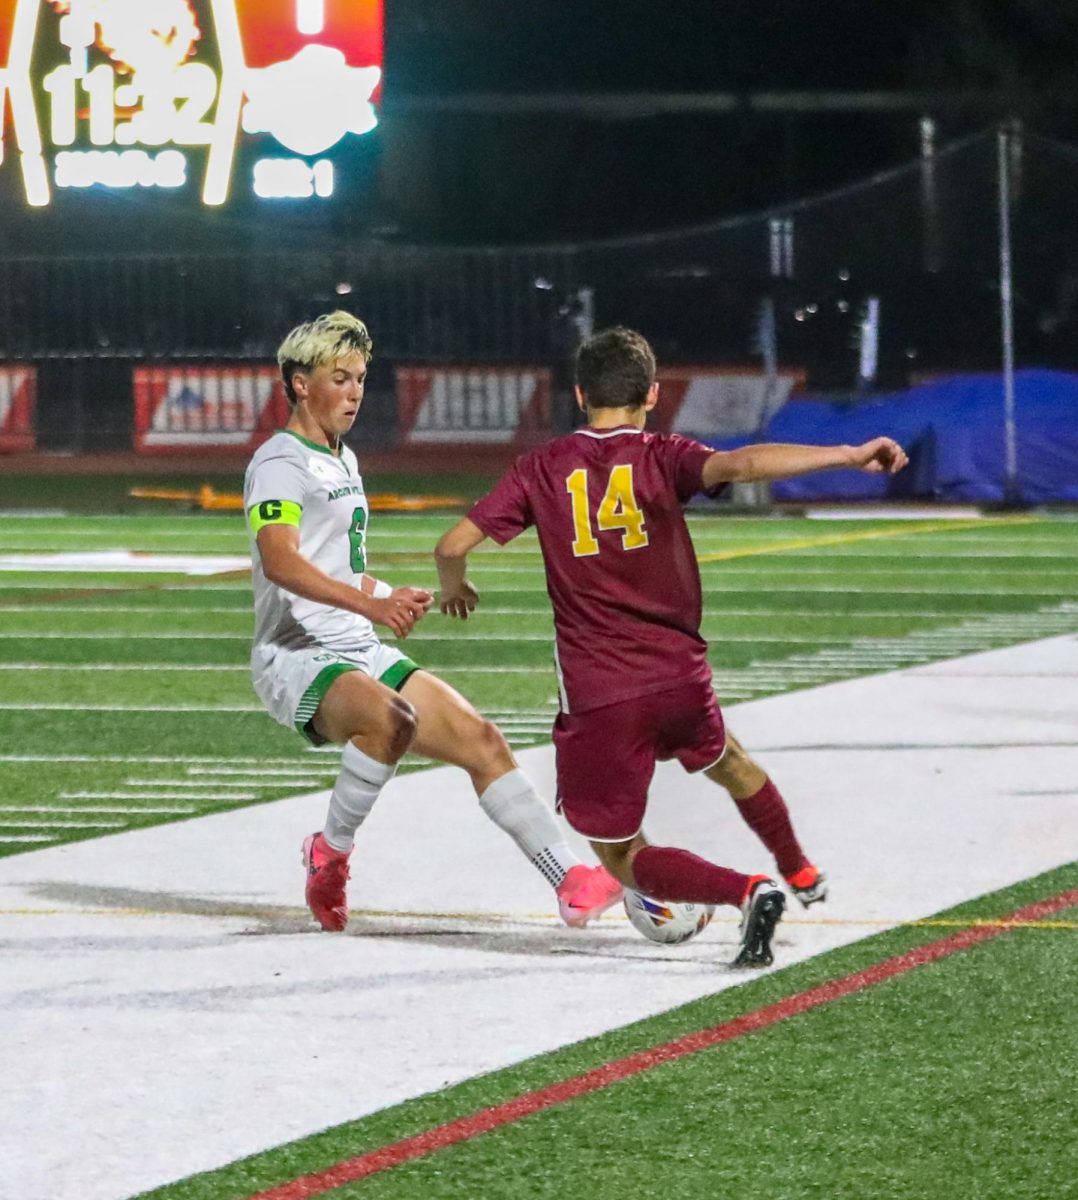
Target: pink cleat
<point>327,875</point>
<point>586,893</point>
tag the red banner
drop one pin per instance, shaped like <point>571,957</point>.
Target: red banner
<point>228,407</point>
<point>18,394</point>
<point>719,401</point>
<point>472,405</point>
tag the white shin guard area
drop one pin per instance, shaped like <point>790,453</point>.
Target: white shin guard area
<point>168,1006</point>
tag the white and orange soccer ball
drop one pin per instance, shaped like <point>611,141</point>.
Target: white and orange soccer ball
<point>665,922</point>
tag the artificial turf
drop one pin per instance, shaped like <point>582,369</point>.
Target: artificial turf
<point>949,1081</point>
<point>953,1079</point>
<point>141,665</point>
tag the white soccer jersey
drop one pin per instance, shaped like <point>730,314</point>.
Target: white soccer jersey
<point>288,470</point>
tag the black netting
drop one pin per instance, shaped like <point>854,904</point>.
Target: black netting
<point>919,240</point>
<point>917,248</point>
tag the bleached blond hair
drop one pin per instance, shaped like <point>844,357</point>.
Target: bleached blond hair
<point>322,342</point>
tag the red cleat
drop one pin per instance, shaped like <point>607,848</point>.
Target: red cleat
<point>327,875</point>
<point>809,885</point>
<point>586,893</point>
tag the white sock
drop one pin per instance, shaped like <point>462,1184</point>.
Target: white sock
<point>514,805</point>
<point>353,796</point>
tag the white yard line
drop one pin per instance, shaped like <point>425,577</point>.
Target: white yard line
<point>273,771</point>
<point>59,606</point>
<point>237,797</point>
<point>46,585</point>
<point>297,764</point>
<point>130,809</point>
<point>66,667</point>
<point>33,706</point>
<point>125,561</point>
<point>148,635</point>
<point>300,782</point>
<point>89,1024</point>
<point>35,824</point>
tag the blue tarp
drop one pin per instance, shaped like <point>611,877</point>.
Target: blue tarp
<point>953,430</point>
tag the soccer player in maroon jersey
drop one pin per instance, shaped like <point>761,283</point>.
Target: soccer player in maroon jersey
<point>633,673</point>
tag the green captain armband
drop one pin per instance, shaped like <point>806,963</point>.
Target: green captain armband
<point>273,512</point>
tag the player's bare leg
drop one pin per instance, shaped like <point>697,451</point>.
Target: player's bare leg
<point>377,726</point>
<point>450,730</point>
<point>668,873</point>
<point>764,811</point>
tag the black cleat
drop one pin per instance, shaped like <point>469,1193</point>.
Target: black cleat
<point>760,913</point>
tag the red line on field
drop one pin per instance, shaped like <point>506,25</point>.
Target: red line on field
<point>438,1138</point>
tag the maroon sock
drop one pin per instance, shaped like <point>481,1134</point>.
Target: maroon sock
<point>667,873</point>
<point>767,816</point>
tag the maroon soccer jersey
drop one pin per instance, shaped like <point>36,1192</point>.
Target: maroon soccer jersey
<point>620,565</point>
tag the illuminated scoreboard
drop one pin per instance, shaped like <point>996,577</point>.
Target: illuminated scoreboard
<point>163,94</point>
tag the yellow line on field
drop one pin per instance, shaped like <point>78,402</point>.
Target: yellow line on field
<point>842,539</point>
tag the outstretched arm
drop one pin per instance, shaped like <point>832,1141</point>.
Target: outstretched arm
<point>782,460</point>
<point>457,596</point>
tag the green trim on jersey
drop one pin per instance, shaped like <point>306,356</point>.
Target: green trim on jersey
<point>274,512</point>
<point>398,673</point>
<point>313,445</point>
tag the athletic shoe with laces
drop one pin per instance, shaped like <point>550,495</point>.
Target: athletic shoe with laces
<point>761,911</point>
<point>586,893</point>
<point>327,876</point>
<point>809,885</point>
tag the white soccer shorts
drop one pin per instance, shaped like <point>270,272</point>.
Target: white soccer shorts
<point>291,683</point>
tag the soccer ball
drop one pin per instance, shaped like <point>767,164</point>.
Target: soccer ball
<point>665,922</point>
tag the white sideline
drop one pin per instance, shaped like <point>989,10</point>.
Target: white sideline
<point>166,1007</point>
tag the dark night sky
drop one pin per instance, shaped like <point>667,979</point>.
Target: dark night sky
<point>497,178</point>
<point>699,45</point>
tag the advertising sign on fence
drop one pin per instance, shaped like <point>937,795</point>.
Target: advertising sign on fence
<point>470,405</point>
<point>219,407</point>
<point>718,402</point>
<point>18,391</point>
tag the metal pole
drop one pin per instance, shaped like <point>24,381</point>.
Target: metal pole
<point>930,198</point>
<point>1011,492</point>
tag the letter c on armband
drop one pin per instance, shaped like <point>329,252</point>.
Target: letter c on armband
<point>273,512</point>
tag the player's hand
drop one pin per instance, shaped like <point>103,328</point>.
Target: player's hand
<point>881,456</point>
<point>418,595</point>
<point>460,602</point>
<point>400,611</point>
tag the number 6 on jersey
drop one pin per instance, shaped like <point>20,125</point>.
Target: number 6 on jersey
<point>617,510</point>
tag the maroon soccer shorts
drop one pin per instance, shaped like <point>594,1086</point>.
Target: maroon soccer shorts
<point>606,756</point>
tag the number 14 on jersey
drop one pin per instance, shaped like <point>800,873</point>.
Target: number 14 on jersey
<point>618,509</point>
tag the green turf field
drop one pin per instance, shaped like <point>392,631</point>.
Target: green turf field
<point>953,1080</point>
<point>125,697</point>
<point>125,701</point>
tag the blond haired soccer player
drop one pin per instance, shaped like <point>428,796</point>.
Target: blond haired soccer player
<point>317,663</point>
<point>632,668</point>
